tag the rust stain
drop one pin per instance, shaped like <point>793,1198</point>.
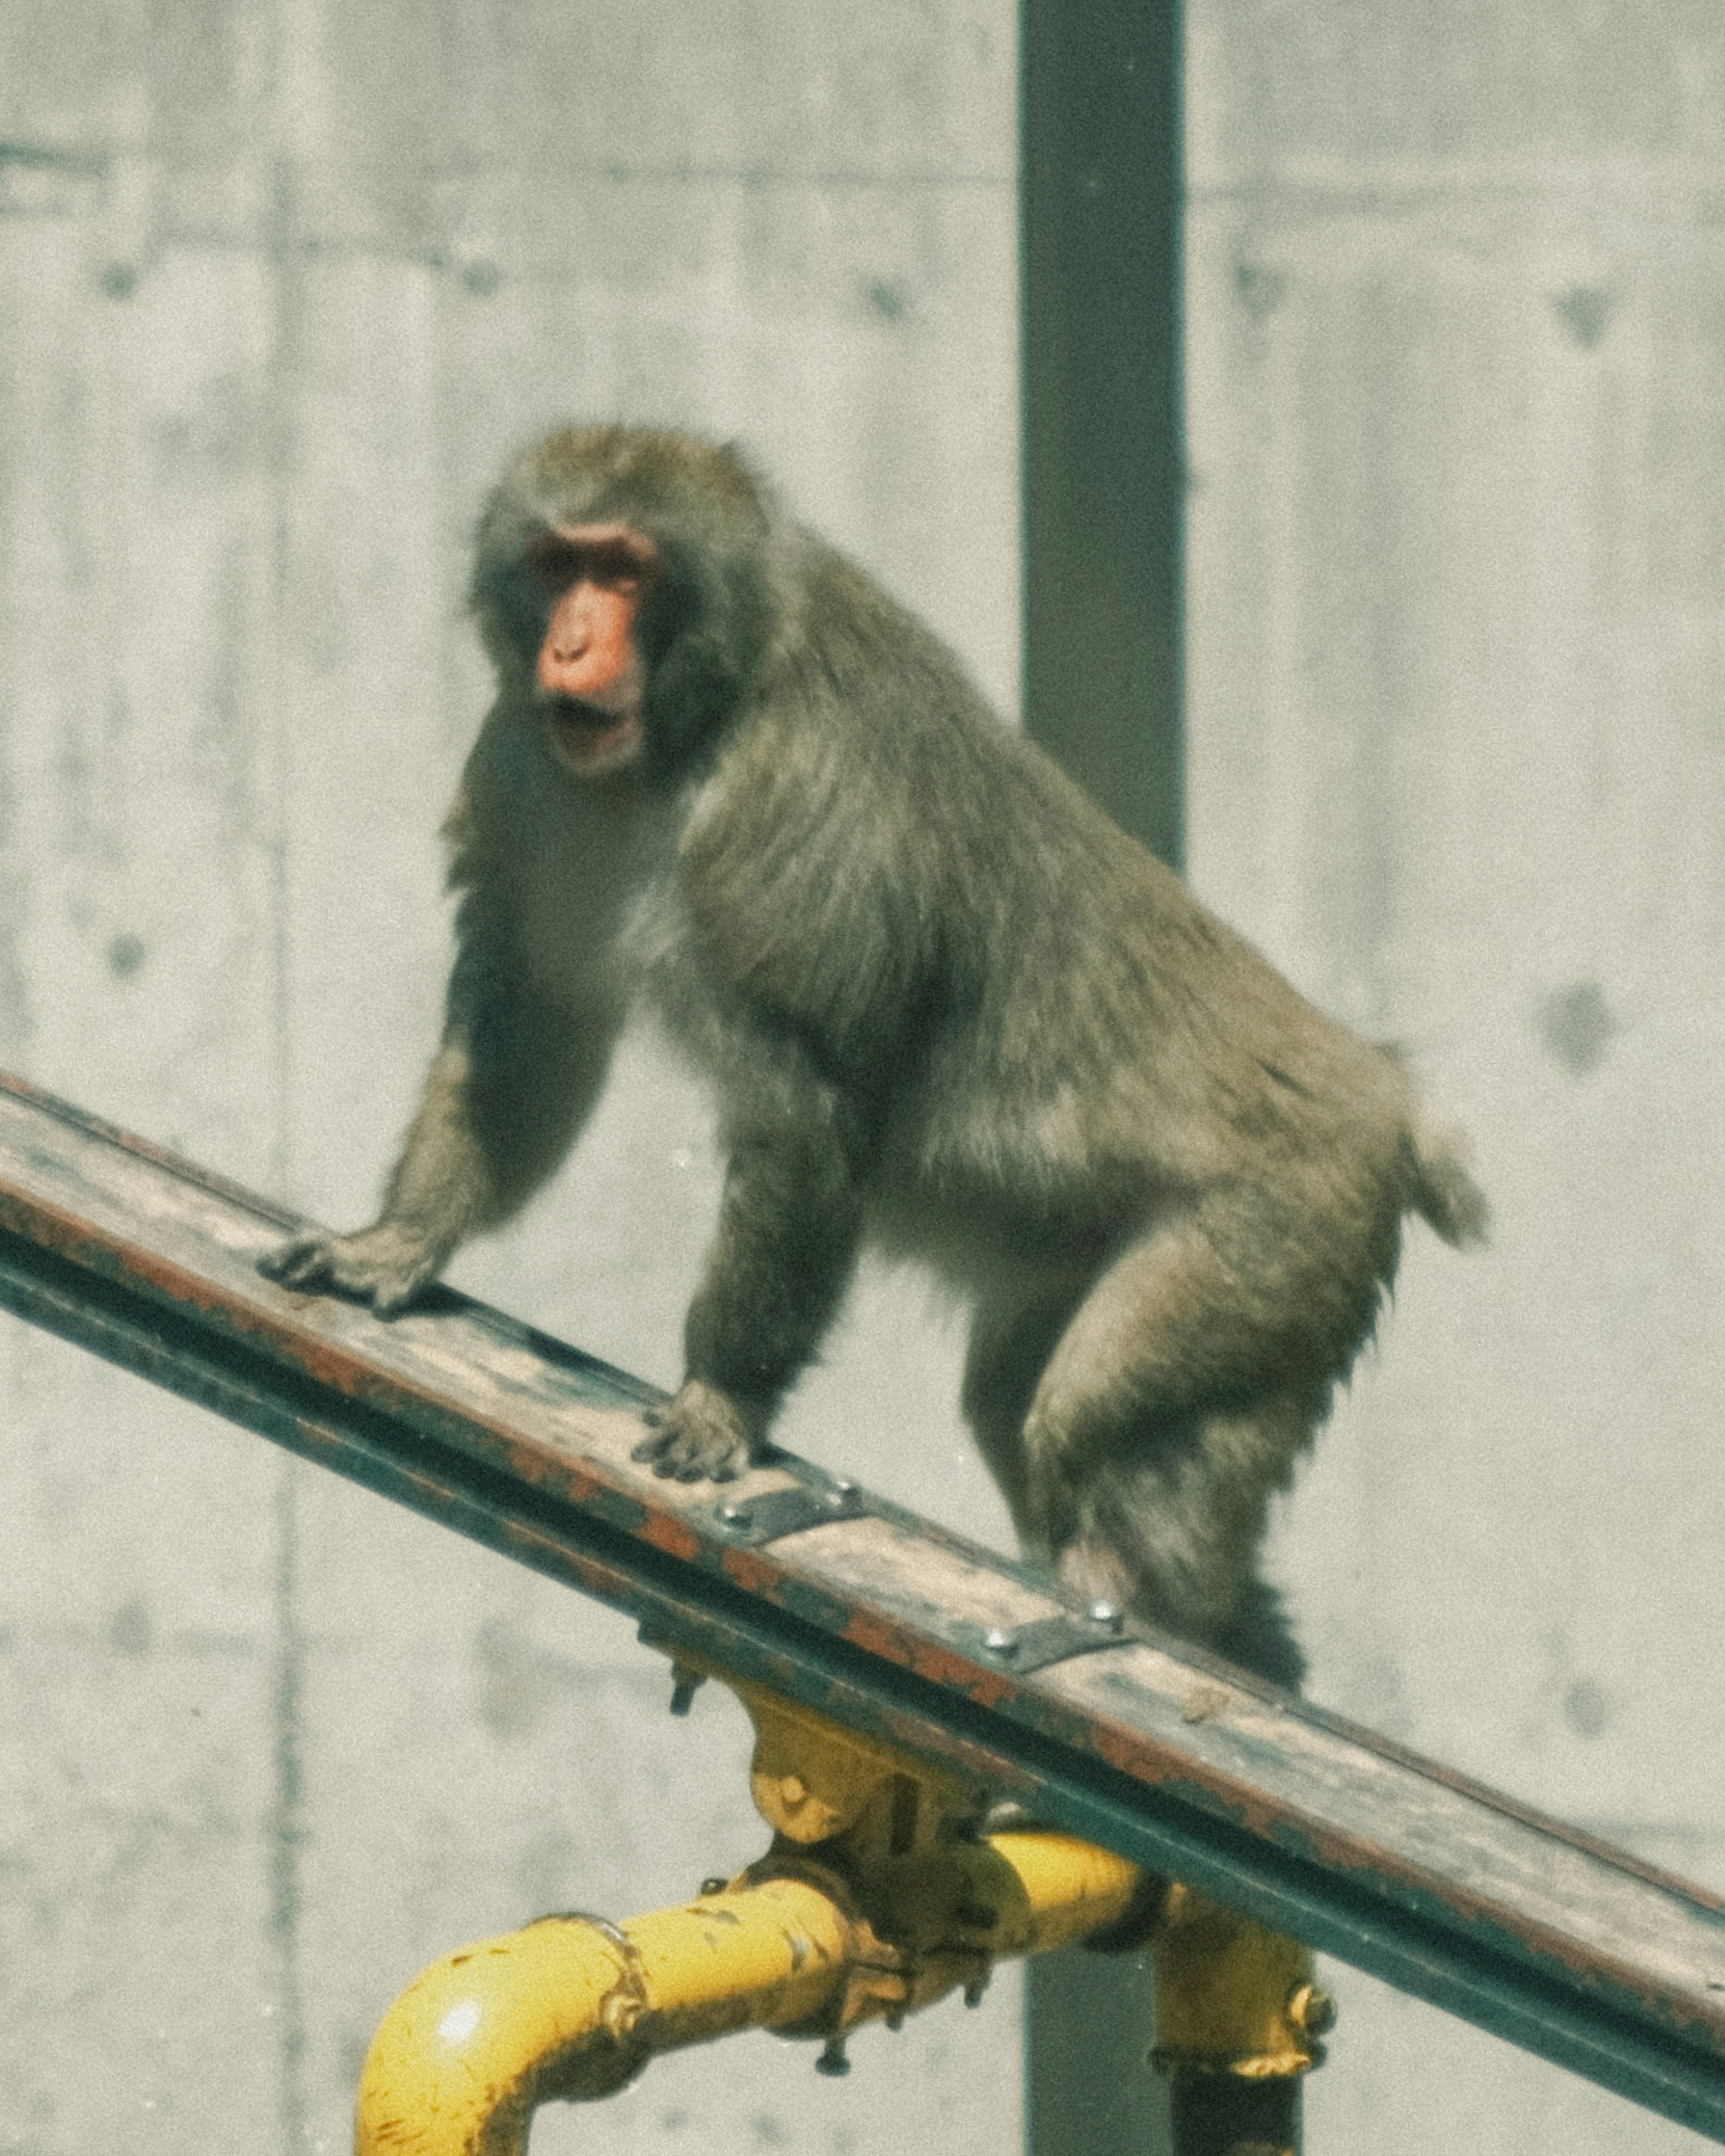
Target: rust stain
<point>928,1658</point>
<point>1127,1751</point>
<point>581,1484</point>
<point>1600,1973</point>
<point>669,1533</point>
<point>531,1461</point>
<point>755,1572</point>
<point>864,1630</point>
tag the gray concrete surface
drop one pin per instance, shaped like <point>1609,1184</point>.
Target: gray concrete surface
<point>1457,290</point>
<point>279,285</point>
<point>280,280</point>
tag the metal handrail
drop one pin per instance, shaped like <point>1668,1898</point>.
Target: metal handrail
<point>831,1596</point>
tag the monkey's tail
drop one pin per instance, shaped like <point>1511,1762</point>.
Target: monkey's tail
<point>1444,1193</point>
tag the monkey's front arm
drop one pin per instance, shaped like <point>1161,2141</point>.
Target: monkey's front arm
<point>506,1095</point>
<point>779,1261</point>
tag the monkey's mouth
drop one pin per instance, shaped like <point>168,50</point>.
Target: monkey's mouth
<point>589,739</point>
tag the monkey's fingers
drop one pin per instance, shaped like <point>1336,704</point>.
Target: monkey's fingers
<point>651,1448</point>
<point>380,1267</point>
<point>671,1454</point>
<point>699,1437</point>
<point>297,1264</point>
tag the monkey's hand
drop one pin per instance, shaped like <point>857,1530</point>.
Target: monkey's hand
<point>385,1265</point>
<point>703,1436</point>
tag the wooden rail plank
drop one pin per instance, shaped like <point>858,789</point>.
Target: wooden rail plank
<point>1541,1934</point>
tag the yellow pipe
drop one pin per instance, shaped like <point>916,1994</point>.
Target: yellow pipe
<point>458,2062</point>
<point>1063,1889</point>
<point>1232,1997</point>
<point>573,2007</point>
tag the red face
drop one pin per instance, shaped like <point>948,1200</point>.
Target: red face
<point>590,672</point>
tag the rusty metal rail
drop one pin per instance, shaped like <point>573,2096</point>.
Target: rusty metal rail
<point>832,1596</point>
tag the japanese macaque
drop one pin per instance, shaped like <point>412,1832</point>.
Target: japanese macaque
<point>945,1004</point>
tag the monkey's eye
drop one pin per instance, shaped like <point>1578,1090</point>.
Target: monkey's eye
<point>554,561</point>
<point>619,565</point>
<point>619,560</point>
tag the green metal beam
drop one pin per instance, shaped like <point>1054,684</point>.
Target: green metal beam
<point>883,1622</point>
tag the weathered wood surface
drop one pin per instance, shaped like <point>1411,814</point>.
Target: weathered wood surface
<point>1566,1946</point>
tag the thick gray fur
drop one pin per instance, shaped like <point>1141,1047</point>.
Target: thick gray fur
<point>946,1004</point>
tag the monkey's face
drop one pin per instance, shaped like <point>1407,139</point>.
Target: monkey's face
<point>620,585</point>
<point>590,675</point>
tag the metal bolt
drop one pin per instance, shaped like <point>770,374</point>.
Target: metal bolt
<point>1001,1643</point>
<point>618,2013</point>
<point>735,1515</point>
<point>842,1486</point>
<point>1311,2011</point>
<point>833,2061</point>
<point>1106,1613</point>
<point>716,1885</point>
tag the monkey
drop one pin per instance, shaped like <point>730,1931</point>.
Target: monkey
<point>945,1004</point>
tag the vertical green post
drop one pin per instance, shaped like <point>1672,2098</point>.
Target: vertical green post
<point>1101,204</point>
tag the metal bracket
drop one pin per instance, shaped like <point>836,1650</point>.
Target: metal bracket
<point>752,1521</point>
<point>1021,1648</point>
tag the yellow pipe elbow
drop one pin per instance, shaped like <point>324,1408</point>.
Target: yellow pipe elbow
<point>464,2056</point>
<point>573,2007</point>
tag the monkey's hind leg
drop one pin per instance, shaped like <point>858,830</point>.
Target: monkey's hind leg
<point>1170,1530</point>
<point>1012,1336</point>
<point>1172,1409</point>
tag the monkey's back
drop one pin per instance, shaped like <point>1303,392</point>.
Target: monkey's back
<point>1134,1053</point>
<point>1068,1040</point>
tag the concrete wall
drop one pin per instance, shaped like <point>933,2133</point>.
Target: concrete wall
<point>1457,370</point>
<point>280,280</point>
<point>280,283</point>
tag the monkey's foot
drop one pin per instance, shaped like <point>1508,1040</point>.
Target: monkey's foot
<point>385,1265</point>
<point>702,1436</point>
